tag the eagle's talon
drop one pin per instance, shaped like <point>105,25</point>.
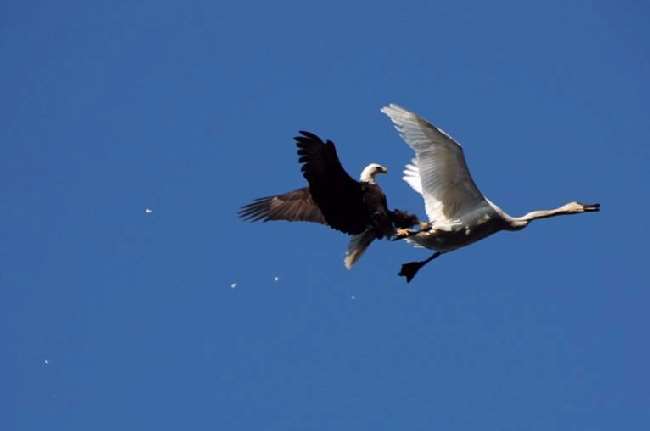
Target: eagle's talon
<point>401,233</point>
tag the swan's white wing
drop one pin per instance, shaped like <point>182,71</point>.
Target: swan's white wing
<point>446,185</point>
<point>412,176</point>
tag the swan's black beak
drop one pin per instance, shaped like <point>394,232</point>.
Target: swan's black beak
<point>588,208</point>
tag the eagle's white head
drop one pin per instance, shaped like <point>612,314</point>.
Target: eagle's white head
<point>369,172</point>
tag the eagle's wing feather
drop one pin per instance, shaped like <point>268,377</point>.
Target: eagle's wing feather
<point>296,205</point>
<point>339,196</point>
<point>403,219</point>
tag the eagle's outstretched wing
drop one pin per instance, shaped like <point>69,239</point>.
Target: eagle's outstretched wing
<point>296,205</point>
<point>339,196</point>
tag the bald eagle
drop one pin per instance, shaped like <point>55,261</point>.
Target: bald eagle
<point>333,198</point>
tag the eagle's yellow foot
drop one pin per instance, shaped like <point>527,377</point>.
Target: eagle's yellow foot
<point>401,233</point>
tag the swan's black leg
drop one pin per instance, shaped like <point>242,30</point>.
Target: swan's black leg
<point>411,268</point>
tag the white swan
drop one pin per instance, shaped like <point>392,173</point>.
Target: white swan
<point>458,212</point>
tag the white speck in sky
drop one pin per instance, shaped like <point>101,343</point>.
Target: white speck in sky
<point>233,285</point>
<point>46,362</point>
<point>148,210</point>
<point>353,297</point>
<point>276,278</point>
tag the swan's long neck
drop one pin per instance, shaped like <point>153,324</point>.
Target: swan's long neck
<point>569,208</point>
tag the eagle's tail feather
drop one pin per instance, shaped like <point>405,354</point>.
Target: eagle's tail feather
<point>357,246</point>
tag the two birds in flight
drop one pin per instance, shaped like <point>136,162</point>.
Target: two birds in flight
<point>458,213</point>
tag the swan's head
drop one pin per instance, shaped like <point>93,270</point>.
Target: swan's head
<point>369,172</point>
<point>581,207</point>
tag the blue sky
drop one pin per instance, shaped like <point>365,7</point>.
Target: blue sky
<point>113,319</point>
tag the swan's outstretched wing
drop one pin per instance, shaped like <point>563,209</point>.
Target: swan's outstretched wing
<point>296,205</point>
<point>339,196</point>
<point>448,190</point>
<point>412,176</point>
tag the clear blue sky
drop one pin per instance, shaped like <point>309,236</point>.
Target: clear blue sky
<point>113,319</point>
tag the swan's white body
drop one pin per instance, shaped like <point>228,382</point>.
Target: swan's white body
<point>459,214</point>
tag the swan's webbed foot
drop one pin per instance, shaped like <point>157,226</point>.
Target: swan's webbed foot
<point>409,269</point>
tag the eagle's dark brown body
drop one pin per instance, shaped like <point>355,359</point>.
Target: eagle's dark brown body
<point>333,197</point>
